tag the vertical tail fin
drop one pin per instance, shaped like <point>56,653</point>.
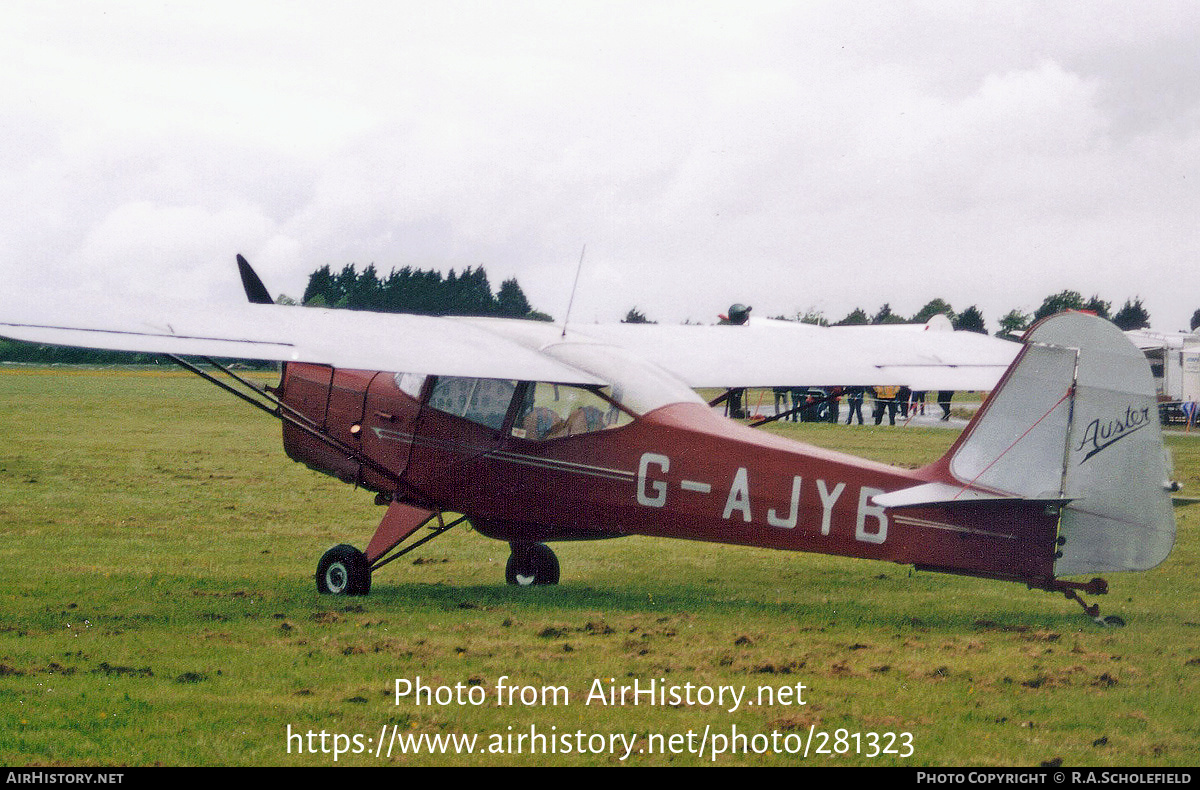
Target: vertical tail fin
<point>1076,417</point>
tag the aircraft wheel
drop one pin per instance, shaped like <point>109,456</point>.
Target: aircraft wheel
<point>343,570</point>
<point>531,563</point>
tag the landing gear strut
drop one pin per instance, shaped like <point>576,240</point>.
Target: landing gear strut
<point>344,570</point>
<point>531,563</point>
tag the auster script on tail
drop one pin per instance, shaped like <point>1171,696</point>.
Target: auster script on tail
<point>1100,435</point>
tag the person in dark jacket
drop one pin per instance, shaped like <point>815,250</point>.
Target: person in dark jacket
<point>854,396</point>
<point>944,397</point>
<point>834,406</point>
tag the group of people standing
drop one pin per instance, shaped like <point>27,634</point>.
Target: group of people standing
<point>819,405</point>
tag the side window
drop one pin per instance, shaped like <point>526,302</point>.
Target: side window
<point>553,411</point>
<point>484,401</point>
<point>410,383</point>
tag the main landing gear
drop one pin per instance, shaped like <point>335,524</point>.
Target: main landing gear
<point>344,570</point>
<point>531,563</point>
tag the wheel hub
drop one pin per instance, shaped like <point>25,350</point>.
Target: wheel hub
<point>335,577</point>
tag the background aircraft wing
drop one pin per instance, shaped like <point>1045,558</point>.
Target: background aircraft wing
<point>342,338</point>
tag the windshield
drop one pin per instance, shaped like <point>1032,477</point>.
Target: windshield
<point>638,385</point>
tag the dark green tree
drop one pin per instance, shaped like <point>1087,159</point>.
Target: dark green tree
<point>1064,300</point>
<point>857,317</point>
<point>511,301</point>
<point>1132,315</point>
<point>970,320</point>
<point>414,291</point>
<point>469,293</point>
<point>365,292</point>
<point>343,284</point>
<point>320,283</point>
<point>409,290</point>
<point>635,316</point>
<point>1013,324</point>
<point>886,316</point>
<point>1098,306</point>
<point>934,307</point>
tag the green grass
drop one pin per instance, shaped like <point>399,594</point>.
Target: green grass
<point>159,608</point>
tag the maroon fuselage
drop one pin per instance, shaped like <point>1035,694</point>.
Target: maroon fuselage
<point>679,471</point>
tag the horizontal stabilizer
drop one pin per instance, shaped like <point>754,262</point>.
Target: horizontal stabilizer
<point>948,495</point>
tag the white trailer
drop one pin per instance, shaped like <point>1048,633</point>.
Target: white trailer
<point>1175,361</point>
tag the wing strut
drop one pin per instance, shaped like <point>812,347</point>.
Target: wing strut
<point>281,411</point>
<point>795,410</point>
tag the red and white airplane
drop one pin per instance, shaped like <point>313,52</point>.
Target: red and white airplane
<point>541,433</point>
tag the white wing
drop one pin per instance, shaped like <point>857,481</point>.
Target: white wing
<point>774,353</point>
<point>762,353</point>
<point>778,353</point>
<point>342,338</point>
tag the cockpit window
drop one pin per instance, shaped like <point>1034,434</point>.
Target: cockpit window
<point>484,401</point>
<point>553,411</point>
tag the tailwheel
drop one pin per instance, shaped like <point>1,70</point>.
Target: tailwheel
<point>531,563</point>
<point>343,570</point>
<point>1094,587</point>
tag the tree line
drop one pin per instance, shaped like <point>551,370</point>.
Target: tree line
<point>1132,315</point>
<point>409,290</point>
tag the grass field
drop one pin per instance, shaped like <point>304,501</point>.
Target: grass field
<point>159,608</point>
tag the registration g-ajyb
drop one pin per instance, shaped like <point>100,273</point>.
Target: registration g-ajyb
<point>539,433</point>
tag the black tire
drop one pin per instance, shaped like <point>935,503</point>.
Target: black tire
<point>343,570</point>
<point>531,563</point>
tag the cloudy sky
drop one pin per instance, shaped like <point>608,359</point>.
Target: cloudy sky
<point>792,156</point>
